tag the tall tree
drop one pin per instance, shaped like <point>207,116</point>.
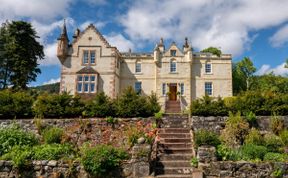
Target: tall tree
<point>21,52</point>
<point>242,72</point>
<point>286,63</point>
<point>212,50</point>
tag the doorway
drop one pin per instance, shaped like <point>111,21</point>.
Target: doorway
<point>173,92</point>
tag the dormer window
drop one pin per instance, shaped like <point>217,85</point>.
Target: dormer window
<point>89,57</point>
<point>173,52</point>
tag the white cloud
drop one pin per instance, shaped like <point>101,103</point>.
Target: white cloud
<point>35,9</point>
<point>280,37</point>
<point>96,2</point>
<point>120,42</point>
<point>221,23</point>
<point>50,51</point>
<point>85,24</point>
<point>51,81</point>
<point>278,70</point>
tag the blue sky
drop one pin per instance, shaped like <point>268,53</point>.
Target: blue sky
<point>254,28</point>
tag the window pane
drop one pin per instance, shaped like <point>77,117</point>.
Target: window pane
<point>163,89</point>
<point>208,88</point>
<point>208,68</point>
<point>173,66</point>
<point>92,78</point>
<point>86,87</point>
<point>85,57</point>
<point>92,57</point>
<point>92,87</point>
<point>138,67</point>
<point>182,88</point>
<point>86,78</point>
<point>79,87</point>
<point>138,86</point>
<point>80,78</point>
<point>173,52</point>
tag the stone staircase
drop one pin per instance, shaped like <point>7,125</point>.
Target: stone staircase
<point>173,107</point>
<point>175,150</point>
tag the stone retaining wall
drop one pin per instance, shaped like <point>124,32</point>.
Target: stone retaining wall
<point>244,169</point>
<point>217,123</point>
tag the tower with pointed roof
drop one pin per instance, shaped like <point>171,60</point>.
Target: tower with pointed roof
<point>63,44</point>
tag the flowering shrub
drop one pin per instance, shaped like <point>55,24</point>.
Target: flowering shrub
<point>141,130</point>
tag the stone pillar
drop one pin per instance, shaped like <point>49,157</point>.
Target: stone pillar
<point>140,158</point>
<point>206,155</point>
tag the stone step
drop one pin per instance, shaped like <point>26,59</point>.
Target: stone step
<point>174,130</point>
<point>173,163</point>
<point>174,135</point>
<point>175,150</point>
<point>175,145</point>
<point>175,140</point>
<point>173,170</point>
<point>175,176</point>
<point>175,126</point>
<point>167,157</point>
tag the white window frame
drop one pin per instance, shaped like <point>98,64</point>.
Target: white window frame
<point>138,67</point>
<point>84,82</point>
<point>136,88</point>
<point>164,89</point>
<point>208,72</point>
<point>172,68</point>
<point>208,89</point>
<point>87,60</point>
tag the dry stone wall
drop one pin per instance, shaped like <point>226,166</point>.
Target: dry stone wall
<point>217,123</point>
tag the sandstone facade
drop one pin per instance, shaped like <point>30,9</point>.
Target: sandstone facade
<point>90,65</point>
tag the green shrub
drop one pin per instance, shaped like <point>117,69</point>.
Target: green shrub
<point>102,159</point>
<point>276,125</point>
<point>15,104</point>
<point>254,137</point>
<point>153,105</point>
<point>284,137</point>
<point>52,135</point>
<point>131,104</point>
<point>207,106</point>
<point>52,151</point>
<point>252,152</point>
<point>158,115</point>
<point>251,119</point>
<point>57,106</point>
<point>14,136</point>
<point>225,153</point>
<point>236,129</point>
<point>275,157</point>
<point>20,156</point>
<point>100,106</point>
<point>273,142</point>
<point>206,137</point>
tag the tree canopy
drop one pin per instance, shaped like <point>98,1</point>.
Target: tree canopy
<point>242,72</point>
<point>19,54</point>
<point>212,50</point>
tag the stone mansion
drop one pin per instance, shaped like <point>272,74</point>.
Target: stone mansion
<point>90,65</point>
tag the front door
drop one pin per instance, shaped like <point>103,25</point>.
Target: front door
<point>173,92</point>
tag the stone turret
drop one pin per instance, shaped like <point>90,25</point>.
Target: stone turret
<point>63,42</point>
<point>156,54</point>
<point>161,45</point>
<point>187,49</point>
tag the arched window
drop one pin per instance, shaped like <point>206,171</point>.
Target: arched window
<point>138,67</point>
<point>173,65</point>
